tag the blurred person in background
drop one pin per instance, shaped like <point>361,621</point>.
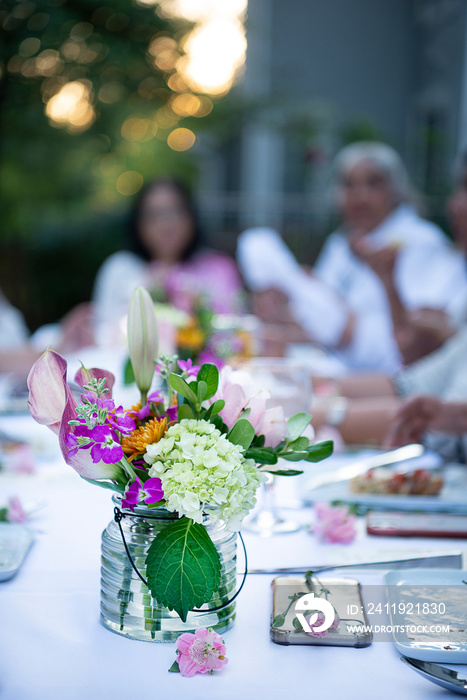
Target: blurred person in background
<point>167,257</point>
<point>420,331</point>
<point>344,306</point>
<point>362,407</point>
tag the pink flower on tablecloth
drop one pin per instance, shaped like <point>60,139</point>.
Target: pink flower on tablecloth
<point>201,652</point>
<point>318,622</point>
<point>15,510</point>
<point>334,523</point>
<point>20,460</point>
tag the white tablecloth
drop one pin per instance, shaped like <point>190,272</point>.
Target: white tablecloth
<point>53,647</point>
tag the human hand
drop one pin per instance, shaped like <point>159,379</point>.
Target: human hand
<point>272,306</point>
<point>416,415</point>
<point>425,331</point>
<point>381,260</point>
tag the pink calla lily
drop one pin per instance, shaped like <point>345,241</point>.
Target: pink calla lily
<point>47,392</point>
<point>84,375</point>
<point>51,403</point>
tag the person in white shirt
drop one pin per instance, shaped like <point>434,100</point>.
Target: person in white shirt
<point>344,306</point>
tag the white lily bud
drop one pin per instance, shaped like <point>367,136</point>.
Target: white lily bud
<point>143,342</point>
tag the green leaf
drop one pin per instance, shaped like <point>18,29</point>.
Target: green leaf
<point>321,450</point>
<point>219,424</point>
<point>259,441</point>
<point>261,455</point>
<point>242,433</point>
<point>300,444</point>
<point>215,408</point>
<point>106,484</point>
<point>297,624</point>
<point>284,472</point>
<point>294,456</point>
<point>183,566</point>
<point>175,668</point>
<point>278,621</point>
<point>202,391</point>
<point>210,374</point>
<point>185,411</point>
<point>179,384</point>
<point>297,424</point>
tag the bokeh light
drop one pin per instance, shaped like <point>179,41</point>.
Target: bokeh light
<point>214,52</point>
<point>138,129</point>
<point>181,139</point>
<point>129,183</point>
<point>71,106</point>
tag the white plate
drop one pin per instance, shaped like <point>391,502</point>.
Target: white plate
<point>415,600</point>
<point>452,496</point>
<point>15,541</point>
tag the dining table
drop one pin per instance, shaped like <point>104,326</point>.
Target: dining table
<point>53,646</point>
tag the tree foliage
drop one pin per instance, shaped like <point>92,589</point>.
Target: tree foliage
<point>62,211</point>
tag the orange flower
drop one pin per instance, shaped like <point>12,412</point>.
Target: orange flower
<point>191,338</point>
<point>147,434</point>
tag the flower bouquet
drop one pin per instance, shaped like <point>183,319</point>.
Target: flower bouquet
<point>194,453</point>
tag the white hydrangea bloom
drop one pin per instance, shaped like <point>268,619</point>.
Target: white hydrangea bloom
<point>199,467</point>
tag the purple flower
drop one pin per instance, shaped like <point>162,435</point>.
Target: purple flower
<point>145,411</point>
<point>208,356</point>
<point>72,443</point>
<point>149,492</point>
<point>172,414</point>
<point>51,403</point>
<point>119,420</point>
<point>188,367</point>
<point>106,447</point>
<point>90,397</point>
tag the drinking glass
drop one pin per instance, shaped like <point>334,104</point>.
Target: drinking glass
<point>289,384</point>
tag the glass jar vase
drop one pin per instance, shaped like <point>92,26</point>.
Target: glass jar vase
<point>127,606</point>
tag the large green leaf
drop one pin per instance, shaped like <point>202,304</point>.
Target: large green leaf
<point>297,424</point>
<point>210,374</point>
<point>261,455</point>
<point>242,433</point>
<point>183,567</point>
<point>201,391</point>
<point>185,411</point>
<point>180,385</point>
<point>319,451</point>
<point>214,408</point>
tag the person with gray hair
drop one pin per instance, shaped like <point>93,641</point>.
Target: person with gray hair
<point>344,306</point>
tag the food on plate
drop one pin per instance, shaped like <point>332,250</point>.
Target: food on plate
<point>419,482</point>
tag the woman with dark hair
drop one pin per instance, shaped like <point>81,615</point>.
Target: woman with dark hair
<point>168,258</point>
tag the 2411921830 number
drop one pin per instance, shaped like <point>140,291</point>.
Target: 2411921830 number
<point>424,608</point>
